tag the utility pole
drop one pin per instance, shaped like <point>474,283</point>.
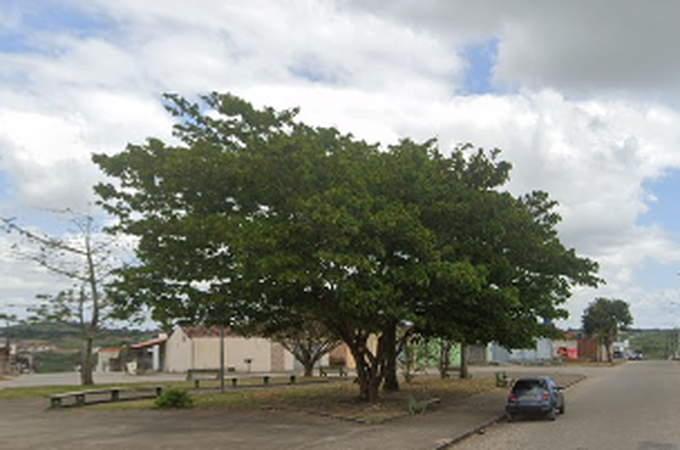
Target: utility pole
<point>222,357</point>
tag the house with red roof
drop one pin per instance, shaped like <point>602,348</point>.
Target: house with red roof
<point>108,359</point>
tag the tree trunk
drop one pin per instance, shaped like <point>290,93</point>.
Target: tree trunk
<point>370,368</point>
<point>391,379</point>
<point>94,320</point>
<point>86,378</point>
<point>464,372</point>
<point>309,367</point>
<point>444,358</point>
<point>608,349</point>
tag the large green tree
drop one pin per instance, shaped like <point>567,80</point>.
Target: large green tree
<point>603,318</point>
<point>256,217</point>
<point>500,265</point>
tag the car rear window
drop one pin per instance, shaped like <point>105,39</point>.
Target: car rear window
<point>526,386</point>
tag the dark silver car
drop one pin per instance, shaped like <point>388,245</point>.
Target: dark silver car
<point>538,396</point>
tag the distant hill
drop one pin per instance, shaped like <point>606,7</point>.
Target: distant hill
<point>65,342</point>
<point>68,336</point>
<point>653,343</point>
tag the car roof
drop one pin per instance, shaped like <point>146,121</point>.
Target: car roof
<point>534,379</point>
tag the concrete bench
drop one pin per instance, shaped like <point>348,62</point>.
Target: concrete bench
<point>234,381</point>
<point>89,396</point>
<point>198,377</point>
<point>324,371</point>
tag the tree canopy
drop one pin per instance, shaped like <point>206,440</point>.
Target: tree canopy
<point>255,217</point>
<point>604,318</point>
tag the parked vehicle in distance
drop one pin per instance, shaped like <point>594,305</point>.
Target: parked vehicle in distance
<point>536,397</point>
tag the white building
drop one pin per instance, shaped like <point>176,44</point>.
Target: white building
<point>196,348</point>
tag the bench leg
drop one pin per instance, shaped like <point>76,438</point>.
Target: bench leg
<point>80,399</point>
<point>159,391</point>
<point>115,395</point>
<point>292,379</point>
<point>265,379</point>
<point>55,402</point>
<point>234,382</point>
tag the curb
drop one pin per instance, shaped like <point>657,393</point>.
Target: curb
<point>480,428</point>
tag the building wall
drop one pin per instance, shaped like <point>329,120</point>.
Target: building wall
<point>257,350</point>
<point>590,349</point>
<point>565,349</point>
<point>281,359</point>
<point>476,354</point>
<point>206,353</point>
<point>183,353</point>
<point>277,357</point>
<point>542,352</point>
<point>339,354</point>
<point>104,361</point>
<point>179,352</point>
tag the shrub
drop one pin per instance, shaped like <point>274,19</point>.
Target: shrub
<point>174,398</point>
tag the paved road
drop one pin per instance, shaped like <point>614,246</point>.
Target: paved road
<point>73,379</point>
<point>635,406</point>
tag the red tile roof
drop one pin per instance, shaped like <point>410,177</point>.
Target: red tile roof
<point>109,350</point>
<point>150,343</point>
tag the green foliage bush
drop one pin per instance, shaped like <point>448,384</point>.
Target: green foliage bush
<point>174,398</point>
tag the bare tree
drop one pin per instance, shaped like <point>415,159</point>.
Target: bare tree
<point>308,344</point>
<point>85,257</point>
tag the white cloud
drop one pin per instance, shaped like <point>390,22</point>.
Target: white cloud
<point>621,47</point>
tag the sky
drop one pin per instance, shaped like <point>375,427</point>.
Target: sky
<point>583,98</point>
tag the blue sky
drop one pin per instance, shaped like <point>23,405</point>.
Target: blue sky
<point>594,119</point>
<point>664,210</point>
<point>480,59</point>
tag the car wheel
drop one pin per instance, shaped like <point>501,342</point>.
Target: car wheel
<point>552,415</point>
<point>562,408</point>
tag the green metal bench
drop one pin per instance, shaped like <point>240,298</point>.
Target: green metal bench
<point>502,379</point>
<point>416,406</point>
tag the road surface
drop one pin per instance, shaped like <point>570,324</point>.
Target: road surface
<point>634,406</point>
<point>73,379</point>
